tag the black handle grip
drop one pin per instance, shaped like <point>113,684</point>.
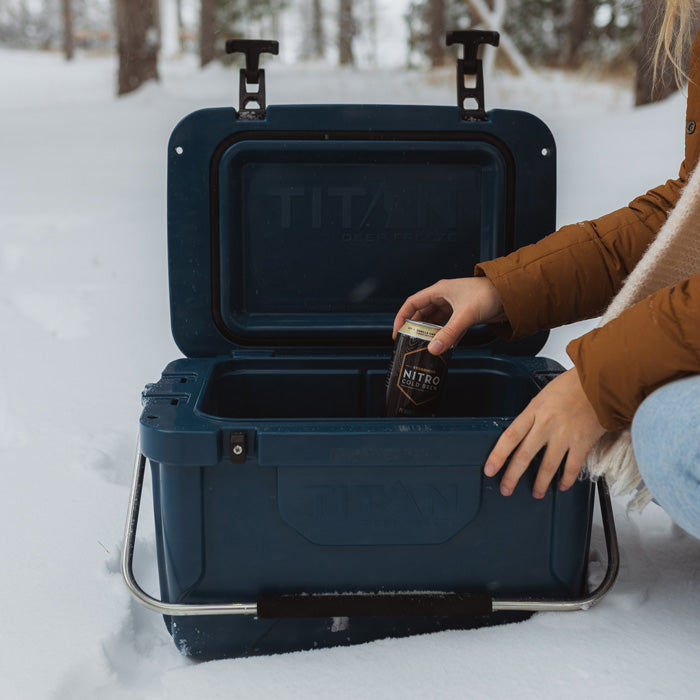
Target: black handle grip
<point>252,48</point>
<point>471,39</point>
<point>373,605</point>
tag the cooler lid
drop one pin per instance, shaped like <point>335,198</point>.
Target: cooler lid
<point>310,225</point>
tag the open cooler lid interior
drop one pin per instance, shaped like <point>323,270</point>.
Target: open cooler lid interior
<point>322,240</point>
<point>309,225</point>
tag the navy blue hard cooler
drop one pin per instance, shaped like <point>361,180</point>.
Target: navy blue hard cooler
<point>294,234</point>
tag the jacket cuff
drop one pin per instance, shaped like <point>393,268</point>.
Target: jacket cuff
<point>495,271</point>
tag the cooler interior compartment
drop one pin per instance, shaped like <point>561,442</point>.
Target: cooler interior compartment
<point>336,387</point>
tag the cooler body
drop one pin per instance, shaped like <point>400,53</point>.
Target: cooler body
<point>325,496</point>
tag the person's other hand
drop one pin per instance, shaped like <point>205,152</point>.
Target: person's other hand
<point>561,419</point>
<point>456,303</point>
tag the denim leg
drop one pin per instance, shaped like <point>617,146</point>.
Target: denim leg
<point>666,442</point>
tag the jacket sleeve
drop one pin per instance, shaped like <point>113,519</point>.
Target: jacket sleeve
<point>649,344</point>
<point>575,272</point>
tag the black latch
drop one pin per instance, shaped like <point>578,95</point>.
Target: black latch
<point>252,74</point>
<point>470,66</point>
<point>237,444</point>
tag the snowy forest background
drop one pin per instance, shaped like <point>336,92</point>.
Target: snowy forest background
<point>614,37</point>
<point>85,319</point>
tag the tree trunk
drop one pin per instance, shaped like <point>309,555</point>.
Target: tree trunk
<point>646,91</point>
<point>346,33</point>
<point>492,20</point>
<point>207,32</point>
<point>138,44</point>
<point>372,22</point>
<point>581,21</point>
<point>436,50</point>
<point>180,27</point>
<point>317,38</point>
<point>68,39</point>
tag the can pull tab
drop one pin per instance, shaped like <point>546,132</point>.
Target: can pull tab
<point>471,66</point>
<point>252,74</point>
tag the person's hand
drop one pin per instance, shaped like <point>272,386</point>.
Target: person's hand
<point>457,303</point>
<point>561,419</point>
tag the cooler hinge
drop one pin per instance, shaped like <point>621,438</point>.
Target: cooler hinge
<point>469,68</point>
<point>252,75</point>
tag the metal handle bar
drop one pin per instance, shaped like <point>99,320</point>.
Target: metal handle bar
<point>251,608</point>
<point>128,560</point>
<point>595,596</point>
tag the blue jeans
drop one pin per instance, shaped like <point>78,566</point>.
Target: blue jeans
<point>666,443</point>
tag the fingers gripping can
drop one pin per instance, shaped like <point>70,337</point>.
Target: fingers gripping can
<point>415,377</point>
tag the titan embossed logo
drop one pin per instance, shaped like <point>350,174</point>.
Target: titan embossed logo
<point>369,214</point>
<point>335,505</point>
<point>380,503</point>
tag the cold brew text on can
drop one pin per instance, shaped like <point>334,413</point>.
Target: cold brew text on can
<point>415,376</point>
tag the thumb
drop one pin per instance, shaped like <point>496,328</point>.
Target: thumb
<point>448,336</point>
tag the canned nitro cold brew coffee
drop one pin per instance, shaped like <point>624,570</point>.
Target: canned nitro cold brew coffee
<point>415,376</point>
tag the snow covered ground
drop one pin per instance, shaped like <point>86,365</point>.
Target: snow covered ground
<point>84,323</point>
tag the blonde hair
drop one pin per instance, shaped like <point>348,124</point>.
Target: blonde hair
<point>674,38</point>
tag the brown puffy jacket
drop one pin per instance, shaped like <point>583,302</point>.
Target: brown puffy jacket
<point>582,267</point>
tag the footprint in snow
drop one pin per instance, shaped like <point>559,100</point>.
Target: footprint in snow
<point>63,316</point>
<point>111,457</point>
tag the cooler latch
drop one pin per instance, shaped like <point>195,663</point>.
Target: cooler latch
<point>470,69</point>
<point>252,75</point>
<point>237,448</point>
